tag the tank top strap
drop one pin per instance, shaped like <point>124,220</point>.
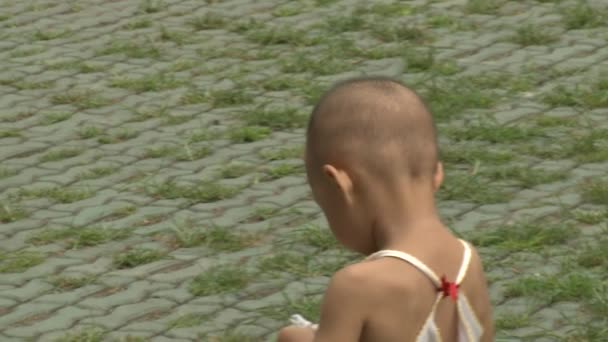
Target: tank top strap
<point>422,267</point>
<point>466,261</point>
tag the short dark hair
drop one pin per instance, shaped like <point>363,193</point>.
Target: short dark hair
<point>376,121</point>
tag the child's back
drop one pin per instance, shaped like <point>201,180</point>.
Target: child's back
<point>403,295</point>
<point>372,162</point>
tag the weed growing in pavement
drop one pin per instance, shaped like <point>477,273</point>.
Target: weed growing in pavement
<point>203,191</point>
<point>527,236</point>
<point>530,34</point>
<point>81,99</point>
<point>61,154</point>
<point>219,280</point>
<point>68,283</point>
<point>19,261</point>
<point>137,257</point>
<point>57,193</point>
<point>77,237</point>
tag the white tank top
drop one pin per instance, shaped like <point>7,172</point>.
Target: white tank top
<point>469,328</point>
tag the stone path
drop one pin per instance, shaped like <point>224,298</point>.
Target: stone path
<point>151,186</point>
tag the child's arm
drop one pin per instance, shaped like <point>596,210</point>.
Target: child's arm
<point>343,308</point>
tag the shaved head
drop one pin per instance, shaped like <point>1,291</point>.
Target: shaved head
<point>375,124</point>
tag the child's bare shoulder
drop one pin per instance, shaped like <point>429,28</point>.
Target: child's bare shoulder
<point>374,278</point>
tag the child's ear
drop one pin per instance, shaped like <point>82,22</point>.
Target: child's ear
<point>438,176</point>
<point>340,179</point>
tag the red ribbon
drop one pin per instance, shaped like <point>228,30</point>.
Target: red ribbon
<point>449,289</point>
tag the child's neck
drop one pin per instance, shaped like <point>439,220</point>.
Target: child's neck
<point>405,217</point>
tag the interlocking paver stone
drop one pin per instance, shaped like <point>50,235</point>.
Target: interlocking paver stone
<point>122,80</point>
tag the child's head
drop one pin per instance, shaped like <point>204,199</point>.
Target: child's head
<point>367,139</point>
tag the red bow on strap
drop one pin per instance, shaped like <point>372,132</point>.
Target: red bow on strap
<point>449,289</point>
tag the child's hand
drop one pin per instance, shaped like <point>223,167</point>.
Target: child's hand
<point>294,333</point>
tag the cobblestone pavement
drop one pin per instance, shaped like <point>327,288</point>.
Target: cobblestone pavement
<point>151,185</point>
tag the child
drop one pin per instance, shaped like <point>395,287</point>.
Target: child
<point>372,164</point>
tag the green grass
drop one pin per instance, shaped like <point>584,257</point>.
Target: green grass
<point>84,335</point>
<point>282,170</point>
<point>236,170</point>
<point>137,257</point>
<point>287,11</point>
<point>248,134</point>
<point>203,191</point>
<point>131,49</point>
<point>54,118</point>
<point>209,21</point>
<point>138,24</point>
<point>203,134</point>
<point>493,133</point>
<point>56,193</point>
<point>26,52</point>
<point>178,153</point>
<point>315,236</point>
<point>552,122</point>
<point>590,96</point>
<point>392,32</point>
<point>219,280</point>
<point>68,283</point>
<point>218,98</point>
<point>583,16</point>
<point>152,6</point>
<point>553,288</point>
<point>449,22</point>
<point>595,255</point>
<point>10,133</point>
<point>51,34</point>
<point>27,85</point>
<point>282,35</point>
<point>451,99</point>
<point>510,321</point>
<point>232,335</point>
<point>525,176</point>
<point>162,113</point>
<point>89,132</point>
<point>177,37</point>
<point>18,117</point>
<point>189,320</point>
<point>276,119</point>
<point>590,216</point>
<point>263,214</point>
<point>466,154</point>
<point>81,99</point>
<point>483,6</point>
<point>527,236</point>
<point>121,212</point>
<point>393,9</point>
<point>296,152</point>
<point>19,261</point>
<point>97,172</point>
<point>297,264</point>
<point>118,136</point>
<point>344,23</point>
<point>156,82</point>
<point>219,239</point>
<point>61,154</point>
<point>588,148</point>
<point>11,212</point>
<point>75,237</point>
<point>531,34</point>
<point>308,306</point>
<point>595,191</point>
<point>5,173</point>
<point>472,188</point>
<point>301,63</point>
